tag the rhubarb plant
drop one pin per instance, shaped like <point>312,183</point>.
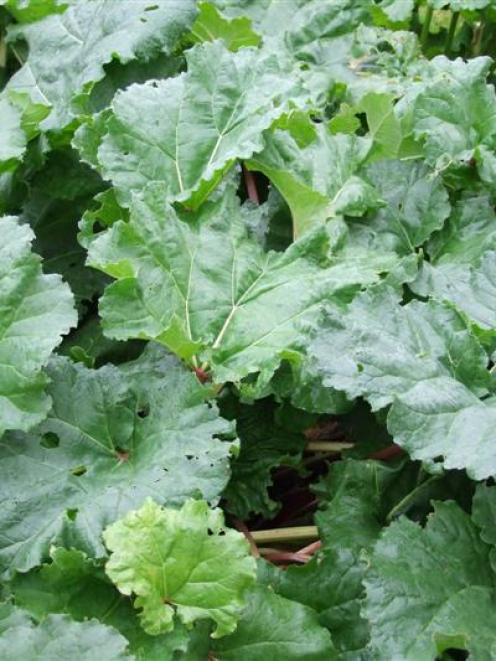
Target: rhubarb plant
<point>247,330</point>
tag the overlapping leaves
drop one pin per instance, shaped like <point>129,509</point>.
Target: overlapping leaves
<point>36,310</point>
<point>200,285</point>
<point>300,206</point>
<point>113,438</point>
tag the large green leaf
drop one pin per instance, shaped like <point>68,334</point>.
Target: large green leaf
<point>59,637</point>
<point>416,204</point>
<point>317,180</point>
<point>462,265</point>
<point>36,310</point>
<point>469,232</point>
<point>67,52</point>
<point>457,112</point>
<point>180,563</point>
<point>201,285</point>
<point>431,589</point>
<point>308,32</point>
<point>394,11</point>
<point>276,628</point>
<point>114,437</point>
<point>421,358</point>
<point>471,288</point>
<point>379,349</point>
<point>197,124</point>
<point>442,418</point>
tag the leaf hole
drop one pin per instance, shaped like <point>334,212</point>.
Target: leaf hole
<point>79,470</point>
<point>144,411</point>
<point>151,8</point>
<point>360,367</point>
<point>72,514</point>
<point>50,441</point>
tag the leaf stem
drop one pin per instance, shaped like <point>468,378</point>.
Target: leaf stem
<point>279,556</point>
<point>451,32</point>
<point>251,185</point>
<point>311,548</point>
<point>242,527</point>
<point>3,53</point>
<point>390,452</point>
<point>328,446</point>
<point>409,499</point>
<point>424,35</point>
<point>477,38</point>
<point>295,534</point>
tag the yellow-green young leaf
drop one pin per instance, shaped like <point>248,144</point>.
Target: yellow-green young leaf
<point>20,122</point>
<point>26,11</point>
<point>390,136</point>
<point>181,563</point>
<point>211,25</point>
<point>345,121</point>
<point>431,589</point>
<point>35,311</point>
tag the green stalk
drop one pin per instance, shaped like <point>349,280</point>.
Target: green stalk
<point>451,32</point>
<point>424,35</point>
<point>477,39</point>
<point>279,535</point>
<point>409,499</point>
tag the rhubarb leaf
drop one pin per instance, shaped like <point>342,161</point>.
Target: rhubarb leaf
<point>197,283</point>
<point>67,52</point>
<point>454,608</point>
<point>223,103</point>
<point>114,437</point>
<point>37,310</point>
<point>181,564</point>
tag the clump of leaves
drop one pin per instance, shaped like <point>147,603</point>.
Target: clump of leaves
<point>247,329</point>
